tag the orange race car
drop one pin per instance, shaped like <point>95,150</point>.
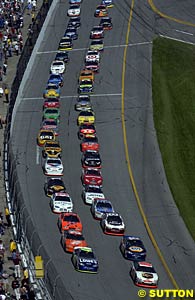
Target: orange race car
<point>71,239</point>
<point>101,11</point>
<point>69,220</point>
<point>86,74</point>
<point>90,142</point>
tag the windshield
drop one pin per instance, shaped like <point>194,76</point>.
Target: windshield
<point>94,190</point>
<point>145,269</point>
<point>71,218</point>
<point>85,254</point>
<point>58,63</point>
<point>62,198</point>
<point>97,42</point>
<point>52,87</point>
<point>86,114</point>
<point>77,237</point>
<point>55,182</point>
<point>114,219</point>
<point>50,122</point>
<point>51,111</point>
<point>92,172</point>
<point>54,161</point>
<point>104,205</point>
<point>48,135</point>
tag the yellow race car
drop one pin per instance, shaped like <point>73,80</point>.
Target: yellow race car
<point>45,135</point>
<point>65,44</point>
<point>86,117</point>
<point>86,74</point>
<point>52,149</point>
<point>51,91</point>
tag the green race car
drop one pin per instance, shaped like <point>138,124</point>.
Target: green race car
<point>97,45</point>
<point>51,113</point>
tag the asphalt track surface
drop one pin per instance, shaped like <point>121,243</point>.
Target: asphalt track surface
<point>112,281</point>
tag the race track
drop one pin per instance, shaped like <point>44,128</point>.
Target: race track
<point>112,281</point>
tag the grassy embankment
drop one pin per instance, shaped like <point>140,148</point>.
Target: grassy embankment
<point>174,116</point>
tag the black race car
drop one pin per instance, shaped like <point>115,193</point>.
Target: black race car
<point>106,23</point>
<point>54,185</point>
<point>62,56</point>
<point>91,159</point>
<point>74,22</point>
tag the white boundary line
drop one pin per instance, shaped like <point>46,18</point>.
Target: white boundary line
<point>184,32</point>
<point>37,155</point>
<point>73,96</point>
<point>105,47</point>
<point>174,39</point>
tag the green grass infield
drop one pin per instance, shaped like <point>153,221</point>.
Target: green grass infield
<point>173,87</point>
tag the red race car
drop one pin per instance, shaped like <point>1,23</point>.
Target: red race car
<point>86,129</point>
<point>90,142</point>
<point>71,239</point>
<point>92,177</point>
<point>68,221</point>
<point>51,102</point>
<point>97,32</point>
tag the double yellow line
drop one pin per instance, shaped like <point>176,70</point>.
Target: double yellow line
<point>151,236</point>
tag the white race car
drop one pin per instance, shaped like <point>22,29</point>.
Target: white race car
<point>74,10</point>
<point>97,32</point>
<point>61,202</point>
<point>90,192</point>
<point>53,167</point>
<point>112,224</point>
<point>144,274</point>
<point>57,67</point>
<point>92,56</point>
<point>100,207</point>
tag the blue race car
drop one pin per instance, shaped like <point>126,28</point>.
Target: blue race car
<point>71,32</point>
<point>100,207</point>
<point>133,248</point>
<point>56,79</point>
<point>108,3</point>
<point>84,260</point>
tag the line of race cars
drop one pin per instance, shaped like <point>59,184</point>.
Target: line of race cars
<point>69,223</point>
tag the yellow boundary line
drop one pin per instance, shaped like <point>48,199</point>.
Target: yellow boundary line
<point>155,9</point>
<point>150,234</point>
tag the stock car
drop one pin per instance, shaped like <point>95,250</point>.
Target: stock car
<point>89,142</point>
<point>86,117</point>
<point>52,91</point>
<point>112,224</point>
<point>97,45</point>
<point>51,113</point>
<point>101,11</point>
<point>71,239</point>
<point>54,185</point>
<point>91,159</point>
<point>92,65</point>
<point>91,177</point>
<point>74,10</point>
<point>91,192</point>
<point>92,56</point>
<point>45,135</point>
<point>51,102</point>
<point>133,248</point>
<point>57,67</point>
<point>86,129</point>
<point>108,3</point>
<point>65,44</point>
<point>85,86</point>
<point>74,22</point>
<point>62,56</point>
<point>53,167</point>
<point>84,74</point>
<point>61,202</point>
<point>100,207</point>
<point>52,149</point>
<point>69,220</point>
<point>106,23</point>
<point>56,79</point>
<point>97,32</point>
<point>143,274</point>
<point>50,124</point>
<point>83,103</point>
<point>84,260</point>
<point>71,32</point>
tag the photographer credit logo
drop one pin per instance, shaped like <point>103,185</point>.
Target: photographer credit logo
<point>167,294</point>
